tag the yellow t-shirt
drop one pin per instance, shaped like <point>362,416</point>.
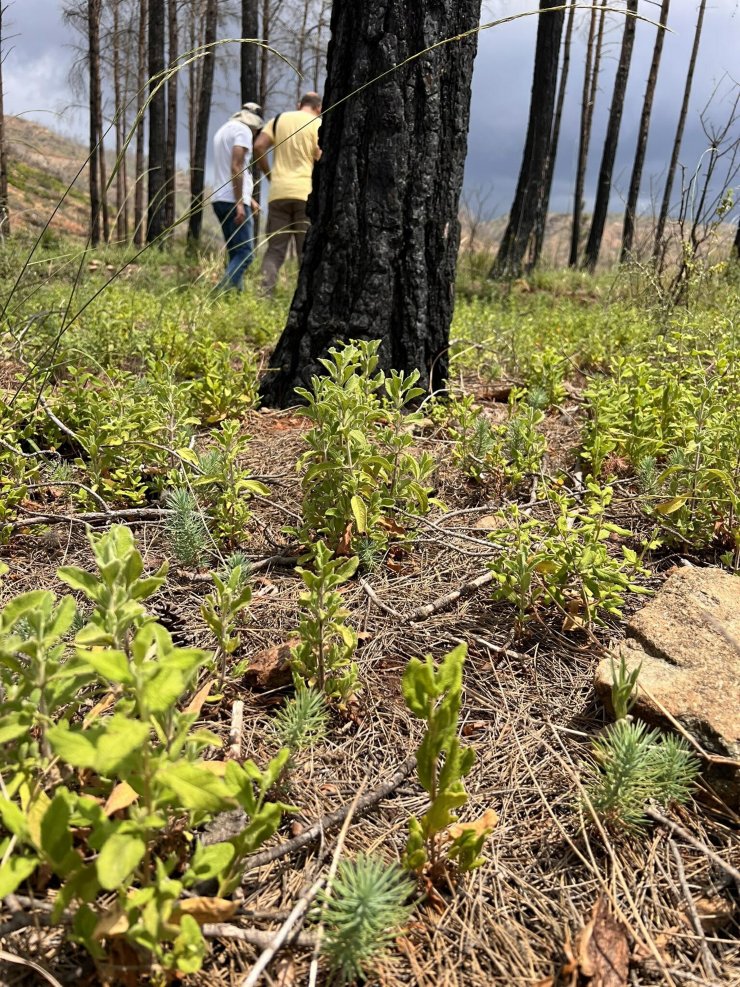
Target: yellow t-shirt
<point>293,155</point>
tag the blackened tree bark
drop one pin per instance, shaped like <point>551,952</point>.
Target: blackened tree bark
<point>604,186</point>
<point>543,205</point>
<point>379,259</point>
<point>96,124</point>
<point>658,244</point>
<point>140,124</point>
<point>4,207</point>
<point>249,76</point>
<point>119,88</point>
<point>588,99</point>
<point>200,142</point>
<point>630,212</point>
<point>736,245</point>
<point>157,122</point>
<point>264,59</point>
<point>170,157</point>
<point>523,215</point>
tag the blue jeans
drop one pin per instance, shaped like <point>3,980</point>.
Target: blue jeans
<point>239,244</point>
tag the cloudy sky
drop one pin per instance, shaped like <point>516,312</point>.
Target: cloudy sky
<point>39,54</point>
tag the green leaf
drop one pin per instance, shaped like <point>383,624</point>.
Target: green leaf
<point>78,579</point>
<point>56,841</point>
<point>105,746</point>
<point>196,788</point>
<point>188,456</point>
<point>14,872</point>
<point>23,604</point>
<point>670,506</point>
<point>208,861</point>
<point>119,858</point>
<point>111,665</point>
<point>13,818</point>
<point>359,511</point>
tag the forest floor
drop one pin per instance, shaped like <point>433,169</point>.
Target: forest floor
<point>593,349</point>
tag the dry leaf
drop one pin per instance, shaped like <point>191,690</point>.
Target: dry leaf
<point>345,542</point>
<point>489,522</point>
<point>205,910</point>
<point>390,525</point>
<point>603,949</point>
<point>122,796</point>
<point>112,923</point>
<point>285,972</point>
<point>714,913</point>
<point>474,727</point>
<point>196,703</point>
<point>105,704</point>
<point>483,825</point>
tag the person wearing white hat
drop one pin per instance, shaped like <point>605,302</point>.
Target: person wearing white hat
<point>232,195</point>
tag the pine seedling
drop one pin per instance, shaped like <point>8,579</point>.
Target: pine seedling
<point>324,656</point>
<point>632,765</point>
<point>220,610</point>
<point>362,915</point>
<point>301,723</point>
<point>623,687</point>
<point>186,531</point>
<point>434,693</point>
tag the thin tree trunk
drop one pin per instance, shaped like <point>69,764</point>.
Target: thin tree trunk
<point>590,80</point>
<point>544,204</point>
<point>604,186</point>
<point>4,207</point>
<point>121,231</point>
<point>264,64</point>
<point>141,77</point>
<point>379,258</point>
<point>523,215</point>
<point>157,122</point>
<point>658,245</point>
<point>93,58</point>
<point>198,164</point>
<point>736,244</point>
<point>249,76</point>
<point>300,56</point>
<point>170,167</point>
<point>630,212</point>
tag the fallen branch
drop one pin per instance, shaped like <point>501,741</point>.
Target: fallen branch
<point>92,517</point>
<point>235,733</point>
<point>331,820</point>
<point>421,613</point>
<point>707,958</point>
<point>378,602</point>
<point>255,937</point>
<point>656,816</point>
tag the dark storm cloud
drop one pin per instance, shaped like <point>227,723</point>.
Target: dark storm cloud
<point>40,56</point>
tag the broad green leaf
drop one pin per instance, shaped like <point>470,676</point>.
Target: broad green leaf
<point>118,859</point>
<point>196,788</point>
<point>208,861</point>
<point>14,872</point>
<point>56,841</point>
<point>108,663</point>
<point>78,579</point>
<point>359,512</point>
<point>670,506</point>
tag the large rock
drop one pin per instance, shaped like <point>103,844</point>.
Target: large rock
<point>688,641</point>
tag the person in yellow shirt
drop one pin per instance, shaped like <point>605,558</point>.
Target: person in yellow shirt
<point>294,138</point>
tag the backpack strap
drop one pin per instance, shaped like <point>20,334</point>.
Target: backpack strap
<point>274,128</point>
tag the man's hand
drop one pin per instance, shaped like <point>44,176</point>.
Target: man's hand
<point>255,206</point>
<point>241,214</point>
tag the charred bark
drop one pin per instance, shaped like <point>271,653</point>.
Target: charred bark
<point>523,214</point>
<point>157,122</point>
<point>249,74</point>
<point>604,186</point>
<point>4,207</point>
<point>140,125</point>
<point>200,141</point>
<point>380,256</point>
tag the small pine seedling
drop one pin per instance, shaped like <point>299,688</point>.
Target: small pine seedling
<point>630,766</point>
<point>647,475</point>
<point>623,687</point>
<point>362,915</point>
<point>301,722</point>
<point>186,530</point>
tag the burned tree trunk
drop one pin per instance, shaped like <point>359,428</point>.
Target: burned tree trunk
<point>249,74</point>
<point>157,122</point>
<point>523,215</point>
<point>379,259</point>
<point>604,186</point>
<point>4,208</point>
<point>200,140</point>
<point>140,124</point>
<point>96,123</point>
<point>630,212</point>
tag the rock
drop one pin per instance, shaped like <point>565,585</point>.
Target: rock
<point>688,641</point>
<point>270,669</point>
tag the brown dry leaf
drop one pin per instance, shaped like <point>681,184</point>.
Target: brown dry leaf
<point>105,704</point>
<point>122,796</point>
<point>196,703</point>
<point>205,910</point>
<point>285,972</point>
<point>271,668</point>
<point>329,790</point>
<point>474,727</point>
<point>483,825</point>
<point>345,542</point>
<point>112,923</point>
<point>603,949</point>
<point>392,526</point>
<point>489,522</point>
<point>714,913</point>
<point>573,621</point>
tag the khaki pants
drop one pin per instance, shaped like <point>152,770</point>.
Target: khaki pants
<point>286,218</point>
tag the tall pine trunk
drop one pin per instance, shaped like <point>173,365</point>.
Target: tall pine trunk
<point>588,99</point>
<point>140,159</point>
<point>544,203</point>
<point>604,186</point>
<point>157,122</point>
<point>4,207</point>
<point>630,212</point>
<point>523,215</point>
<point>93,65</point>
<point>249,75</point>
<point>264,60</point>
<point>659,245</point>
<point>200,143</point>
<point>170,159</point>
<point>380,256</point>
<point>120,127</point>
<point>736,245</point>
